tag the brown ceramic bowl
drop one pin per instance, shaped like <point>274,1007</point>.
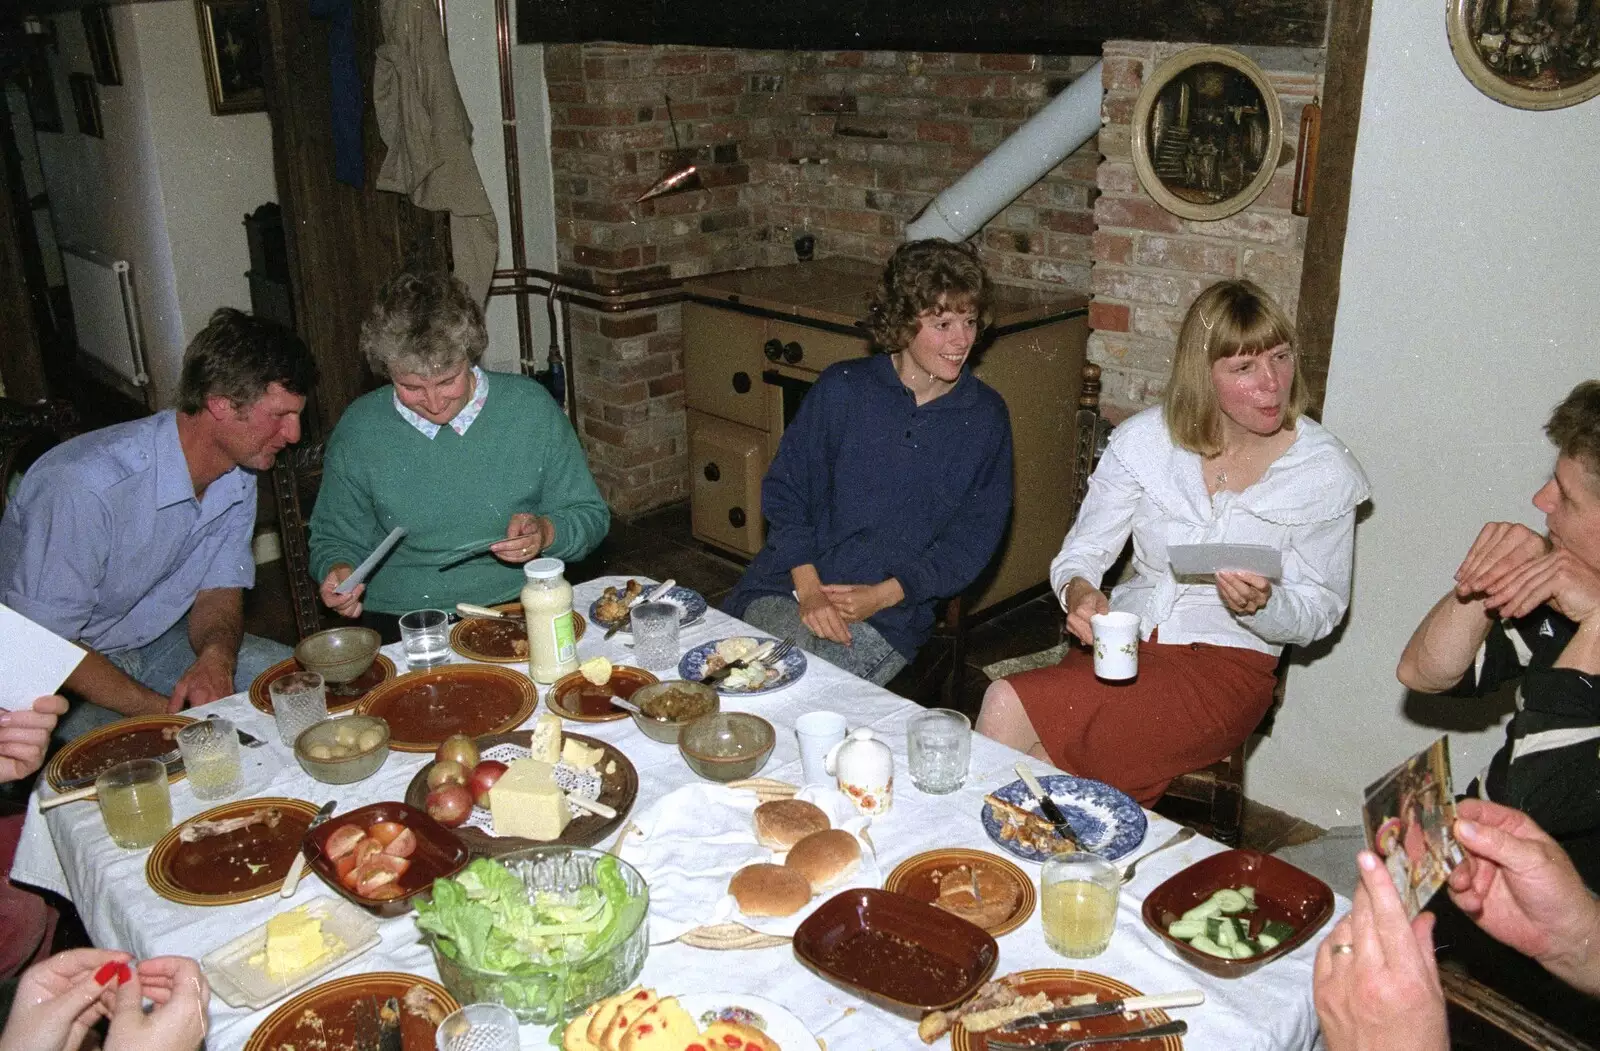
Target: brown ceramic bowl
<point>339,654</point>
<point>1283,893</point>
<point>439,853</point>
<point>904,955</point>
<point>726,746</point>
<point>704,699</point>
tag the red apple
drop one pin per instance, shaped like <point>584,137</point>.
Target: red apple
<point>483,778</point>
<point>449,804</point>
<point>446,772</point>
<point>458,748</point>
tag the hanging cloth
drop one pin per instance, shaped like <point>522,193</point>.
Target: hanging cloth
<point>429,138</point>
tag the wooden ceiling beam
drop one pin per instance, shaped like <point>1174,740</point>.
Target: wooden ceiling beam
<point>1017,26</point>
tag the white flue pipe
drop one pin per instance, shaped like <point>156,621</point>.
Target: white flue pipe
<point>1068,122</point>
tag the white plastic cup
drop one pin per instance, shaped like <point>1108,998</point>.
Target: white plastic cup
<point>1116,645</point>
<point>818,732</point>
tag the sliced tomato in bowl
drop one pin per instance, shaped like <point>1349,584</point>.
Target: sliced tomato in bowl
<point>385,832</point>
<point>402,845</point>
<point>343,840</point>
<point>382,870</point>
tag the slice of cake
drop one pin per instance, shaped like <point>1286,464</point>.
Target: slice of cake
<point>664,1026</point>
<point>734,1036</point>
<point>608,1011</point>
<point>610,1036</point>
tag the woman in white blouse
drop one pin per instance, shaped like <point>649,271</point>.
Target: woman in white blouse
<point>1227,458</point>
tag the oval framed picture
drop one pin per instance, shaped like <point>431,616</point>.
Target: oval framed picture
<point>1528,55</point>
<point>1207,131</point>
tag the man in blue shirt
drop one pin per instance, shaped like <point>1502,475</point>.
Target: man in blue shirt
<point>134,540</point>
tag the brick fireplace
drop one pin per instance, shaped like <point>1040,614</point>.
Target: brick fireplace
<point>847,147</point>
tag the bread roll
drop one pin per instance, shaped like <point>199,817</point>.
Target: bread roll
<point>825,858</point>
<point>769,890</point>
<point>782,823</point>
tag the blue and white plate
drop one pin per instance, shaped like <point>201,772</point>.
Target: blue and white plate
<point>789,668</point>
<point>691,606</point>
<point>1107,821</point>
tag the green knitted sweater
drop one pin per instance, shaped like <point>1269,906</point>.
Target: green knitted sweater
<point>450,492</point>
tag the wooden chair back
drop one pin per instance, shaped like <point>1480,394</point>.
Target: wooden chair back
<point>296,477</point>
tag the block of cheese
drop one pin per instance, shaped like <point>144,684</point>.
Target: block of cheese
<point>527,802</point>
<point>576,753</point>
<point>294,942</point>
<point>546,745</point>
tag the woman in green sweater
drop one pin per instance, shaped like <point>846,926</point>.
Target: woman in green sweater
<point>453,455</point>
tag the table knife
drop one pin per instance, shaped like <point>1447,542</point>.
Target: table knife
<point>651,596</point>
<point>291,881</point>
<point>173,761</point>
<point>1071,1044</point>
<point>1047,806</point>
<point>1159,1001</point>
<point>246,739</point>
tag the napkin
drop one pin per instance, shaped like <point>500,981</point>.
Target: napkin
<point>691,842</point>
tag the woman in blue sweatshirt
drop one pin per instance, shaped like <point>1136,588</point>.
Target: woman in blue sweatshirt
<point>892,486</point>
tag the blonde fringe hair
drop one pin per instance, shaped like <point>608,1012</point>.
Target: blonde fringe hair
<point>1227,319</point>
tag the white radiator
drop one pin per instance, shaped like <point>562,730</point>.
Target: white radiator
<point>105,311</point>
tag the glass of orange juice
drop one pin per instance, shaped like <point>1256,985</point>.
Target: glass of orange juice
<point>1078,903</point>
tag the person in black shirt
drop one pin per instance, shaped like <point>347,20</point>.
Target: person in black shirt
<point>1525,608</point>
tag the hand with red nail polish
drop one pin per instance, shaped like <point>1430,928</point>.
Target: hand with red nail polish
<point>58,999</point>
<point>179,1017</point>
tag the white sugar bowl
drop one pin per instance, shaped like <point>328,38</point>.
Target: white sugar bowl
<point>864,766</point>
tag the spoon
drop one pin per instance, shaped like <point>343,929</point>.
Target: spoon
<point>629,706</point>
<point>1183,835</point>
<point>467,609</point>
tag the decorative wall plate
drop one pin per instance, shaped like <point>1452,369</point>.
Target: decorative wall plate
<point>1207,133</point>
<point>1532,56</point>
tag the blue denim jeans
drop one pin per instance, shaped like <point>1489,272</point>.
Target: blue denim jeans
<point>158,665</point>
<point>868,656</point>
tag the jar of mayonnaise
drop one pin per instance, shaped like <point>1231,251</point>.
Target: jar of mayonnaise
<point>547,607</point>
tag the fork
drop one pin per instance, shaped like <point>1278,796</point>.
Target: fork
<point>1178,1028</point>
<point>778,652</point>
<point>1183,835</point>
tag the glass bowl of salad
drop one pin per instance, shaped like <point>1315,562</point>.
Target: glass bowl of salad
<point>545,931</point>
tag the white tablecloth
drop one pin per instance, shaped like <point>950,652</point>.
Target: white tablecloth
<point>69,852</point>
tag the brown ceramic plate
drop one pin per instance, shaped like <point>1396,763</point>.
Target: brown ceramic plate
<point>618,789</point>
<point>331,1014</point>
<point>1005,893</point>
<point>232,867</point>
<point>574,697</point>
<point>1283,893</point>
<point>1061,985</point>
<point>486,639</point>
<point>422,708</point>
<point>141,737</point>
<point>439,853</point>
<point>342,696</point>
<point>907,957</point>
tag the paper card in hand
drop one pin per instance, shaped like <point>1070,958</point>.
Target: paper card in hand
<point>1204,560</point>
<point>33,662</point>
<point>1409,815</point>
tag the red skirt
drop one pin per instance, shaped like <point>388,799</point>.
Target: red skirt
<point>1190,706</point>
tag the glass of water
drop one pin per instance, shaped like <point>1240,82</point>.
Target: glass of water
<point>425,635</point>
<point>478,1027</point>
<point>655,634</point>
<point>939,745</point>
<point>210,750</point>
<point>298,701</point>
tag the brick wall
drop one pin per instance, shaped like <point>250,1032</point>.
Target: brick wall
<point>1149,264</point>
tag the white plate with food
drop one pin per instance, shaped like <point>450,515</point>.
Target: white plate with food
<point>778,1023</point>
<point>289,951</point>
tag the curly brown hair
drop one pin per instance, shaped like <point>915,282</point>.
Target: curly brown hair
<point>922,276</point>
<point>1575,426</point>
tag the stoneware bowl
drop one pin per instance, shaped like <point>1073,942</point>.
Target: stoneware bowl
<point>666,730</point>
<point>726,746</point>
<point>338,654</point>
<point>318,746</point>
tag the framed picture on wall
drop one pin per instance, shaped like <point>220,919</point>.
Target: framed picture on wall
<point>231,49</point>
<point>1528,55</point>
<point>86,105</point>
<point>1207,131</point>
<point>102,44</point>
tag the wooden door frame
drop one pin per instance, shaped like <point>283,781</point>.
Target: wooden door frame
<point>1349,27</point>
